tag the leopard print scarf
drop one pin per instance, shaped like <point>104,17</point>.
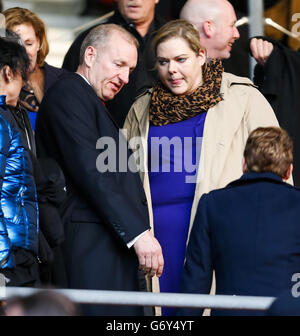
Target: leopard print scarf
<point>167,108</point>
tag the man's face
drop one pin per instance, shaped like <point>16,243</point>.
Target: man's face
<point>109,71</point>
<point>137,11</point>
<point>225,33</point>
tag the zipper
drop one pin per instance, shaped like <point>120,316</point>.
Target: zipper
<point>21,204</point>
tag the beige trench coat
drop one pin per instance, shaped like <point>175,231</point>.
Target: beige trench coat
<point>226,129</point>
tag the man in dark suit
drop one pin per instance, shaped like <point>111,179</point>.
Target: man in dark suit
<point>137,17</point>
<point>248,232</point>
<point>106,212</point>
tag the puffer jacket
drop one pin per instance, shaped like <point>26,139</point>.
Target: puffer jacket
<point>18,200</point>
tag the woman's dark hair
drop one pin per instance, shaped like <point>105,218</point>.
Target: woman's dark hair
<point>13,55</point>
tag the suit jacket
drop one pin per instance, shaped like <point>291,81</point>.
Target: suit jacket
<point>286,304</point>
<point>104,211</point>
<point>51,75</point>
<point>249,234</point>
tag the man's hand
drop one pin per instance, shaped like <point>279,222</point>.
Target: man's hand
<point>261,50</point>
<point>150,255</point>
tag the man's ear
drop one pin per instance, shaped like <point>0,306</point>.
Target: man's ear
<point>7,74</point>
<point>90,55</point>
<point>244,166</point>
<point>208,28</point>
<point>288,173</point>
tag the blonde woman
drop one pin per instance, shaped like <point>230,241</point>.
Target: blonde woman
<point>195,123</point>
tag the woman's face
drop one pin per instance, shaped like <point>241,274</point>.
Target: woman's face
<point>179,68</point>
<point>31,42</point>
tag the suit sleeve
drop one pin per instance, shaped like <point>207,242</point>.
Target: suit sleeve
<point>198,268</point>
<point>117,197</point>
<point>6,257</point>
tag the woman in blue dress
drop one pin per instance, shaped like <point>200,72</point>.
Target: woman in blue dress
<point>189,133</point>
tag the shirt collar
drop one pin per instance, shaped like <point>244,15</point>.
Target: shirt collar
<point>83,78</point>
<point>103,102</point>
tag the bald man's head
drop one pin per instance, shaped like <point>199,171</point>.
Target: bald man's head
<point>197,11</point>
<point>215,21</point>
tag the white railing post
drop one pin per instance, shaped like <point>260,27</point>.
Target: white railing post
<point>256,24</point>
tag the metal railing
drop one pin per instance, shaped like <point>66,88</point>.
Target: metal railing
<point>123,298</point>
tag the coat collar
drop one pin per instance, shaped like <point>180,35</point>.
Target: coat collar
<point>130,26</point>
<point>84,82</point>
<point>227,81</point>
<point>222,122</point>
<point>256,177</point>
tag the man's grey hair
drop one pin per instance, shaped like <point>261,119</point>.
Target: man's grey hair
<point>100,35</point>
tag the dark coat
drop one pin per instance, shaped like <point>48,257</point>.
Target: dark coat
<point>51,75</point>
<point>286,304</point>
<point>50,184</point>
<point>278,80</point>
<point>104,211</point>
<point>249,234</point>
<point>144,75</point>
<point>27,97</point>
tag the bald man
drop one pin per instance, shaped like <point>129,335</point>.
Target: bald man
<point>215,21</point>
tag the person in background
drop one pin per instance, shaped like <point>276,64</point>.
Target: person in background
<point>248,232</point>
<point>277,64</point>
<point>138,18</point>
<point>49,178</point>
<point>19,207</point>
<point>195,100</point>
<point>215,21</point>
<point>42,76</point>
<point>50,184</point>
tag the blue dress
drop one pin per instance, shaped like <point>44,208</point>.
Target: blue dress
<point>173,155</point>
